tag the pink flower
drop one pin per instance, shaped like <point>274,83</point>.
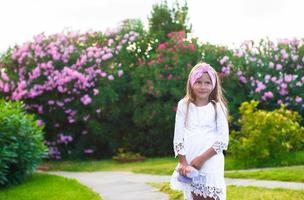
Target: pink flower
<point>170,76</point>
<point>132,38</point>
<point>267,95</point>
<point>111,77</point>
<point>279,66</point>
<point>243,79</point>
<point>298,99</point>
<point>283,91</point>
<point>267,77</point>
<point>6,88</point>
<point>224,60</point>
<point>273,79</point>
<point>120,73</point>
<point>271,65</point>
<point>260,86</point>
<point>95,92</point>
<point>86,99</point>
<point>40,122</point>
<point>283,85</point>
<point>4,76</point>
<point>162,46</point>
<point>226,70</point>
<point>40,109</point>
<point>71,120</point>
<point>107,56</point>
<point>288,78</point>
<point>239,53</point>
<point>294,57</point>
<point>88,151</point>
<point>103,74</point>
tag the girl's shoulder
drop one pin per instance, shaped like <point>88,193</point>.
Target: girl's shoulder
<point>182,102</point>
<point>220,107</point>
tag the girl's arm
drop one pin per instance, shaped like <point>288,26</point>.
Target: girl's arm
<point>178,141</point>
<point>222,133</point>
<point>199,160</point>
<point>179,129</point>
<point>221,143</point>
<point>183,170</point>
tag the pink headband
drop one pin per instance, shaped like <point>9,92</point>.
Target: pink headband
<point>199,72</point>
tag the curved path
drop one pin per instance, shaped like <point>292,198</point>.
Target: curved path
<point>116,185</point>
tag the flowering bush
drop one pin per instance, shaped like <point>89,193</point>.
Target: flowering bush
<point>67,79</point>
<point>159,82</point>
<point>272,72</point>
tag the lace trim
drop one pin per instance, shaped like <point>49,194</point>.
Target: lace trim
<point>179,147</point>
<point>219,146</point>
<point>207,191</point>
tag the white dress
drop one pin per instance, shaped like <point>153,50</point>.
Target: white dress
<point>201,133</point>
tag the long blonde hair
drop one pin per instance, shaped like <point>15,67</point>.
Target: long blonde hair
<point>216,96</point>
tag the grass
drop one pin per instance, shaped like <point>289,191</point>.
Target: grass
<point>161,166</point>
<point>48,187</point>
<point>165,165</point>
<point>294,173</point>
<point>284,159</point>
<point>242,193</point>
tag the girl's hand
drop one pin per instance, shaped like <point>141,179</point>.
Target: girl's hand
<point>197,162</point>
<point>183,169</point>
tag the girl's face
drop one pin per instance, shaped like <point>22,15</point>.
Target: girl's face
<point>202,87</point>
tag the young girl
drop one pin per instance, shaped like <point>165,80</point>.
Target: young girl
<point>200,136</point>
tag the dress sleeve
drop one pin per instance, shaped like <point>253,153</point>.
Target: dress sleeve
<point>222,133</point>
<point>179,129</point>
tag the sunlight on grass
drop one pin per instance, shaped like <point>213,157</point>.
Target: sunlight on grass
<point>241,193</point>
<point>294,173</point>
<point>48,187</point>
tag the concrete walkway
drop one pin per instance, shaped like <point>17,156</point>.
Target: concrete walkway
<point>127,185</point>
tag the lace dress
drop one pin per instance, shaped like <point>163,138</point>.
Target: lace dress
<point>201,133</point>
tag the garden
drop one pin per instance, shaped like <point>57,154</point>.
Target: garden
<point>106,101</point>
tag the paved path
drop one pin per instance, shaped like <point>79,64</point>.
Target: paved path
<point>127,185</point>
<point>120,185</point>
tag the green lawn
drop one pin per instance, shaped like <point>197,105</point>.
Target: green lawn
<point>48,187</point>
<point>165,166</point>
<point>242,193</point>
<point>294,173</point>
<point>160,166</point>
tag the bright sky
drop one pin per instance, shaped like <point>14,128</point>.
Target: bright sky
<point>227,22</point>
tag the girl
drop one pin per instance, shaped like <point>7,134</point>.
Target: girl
<point>200,136</point>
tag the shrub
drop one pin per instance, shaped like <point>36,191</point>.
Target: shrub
<point>69,79</point>
<point>21,143</point>
<point>266,134</point>
<point>159,82</point>
<point>270,72</point>
<point>124,156</point>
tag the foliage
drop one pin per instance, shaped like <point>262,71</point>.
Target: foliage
<point>266,134</point>
<point>21,143</point>
<point>124,156</point>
